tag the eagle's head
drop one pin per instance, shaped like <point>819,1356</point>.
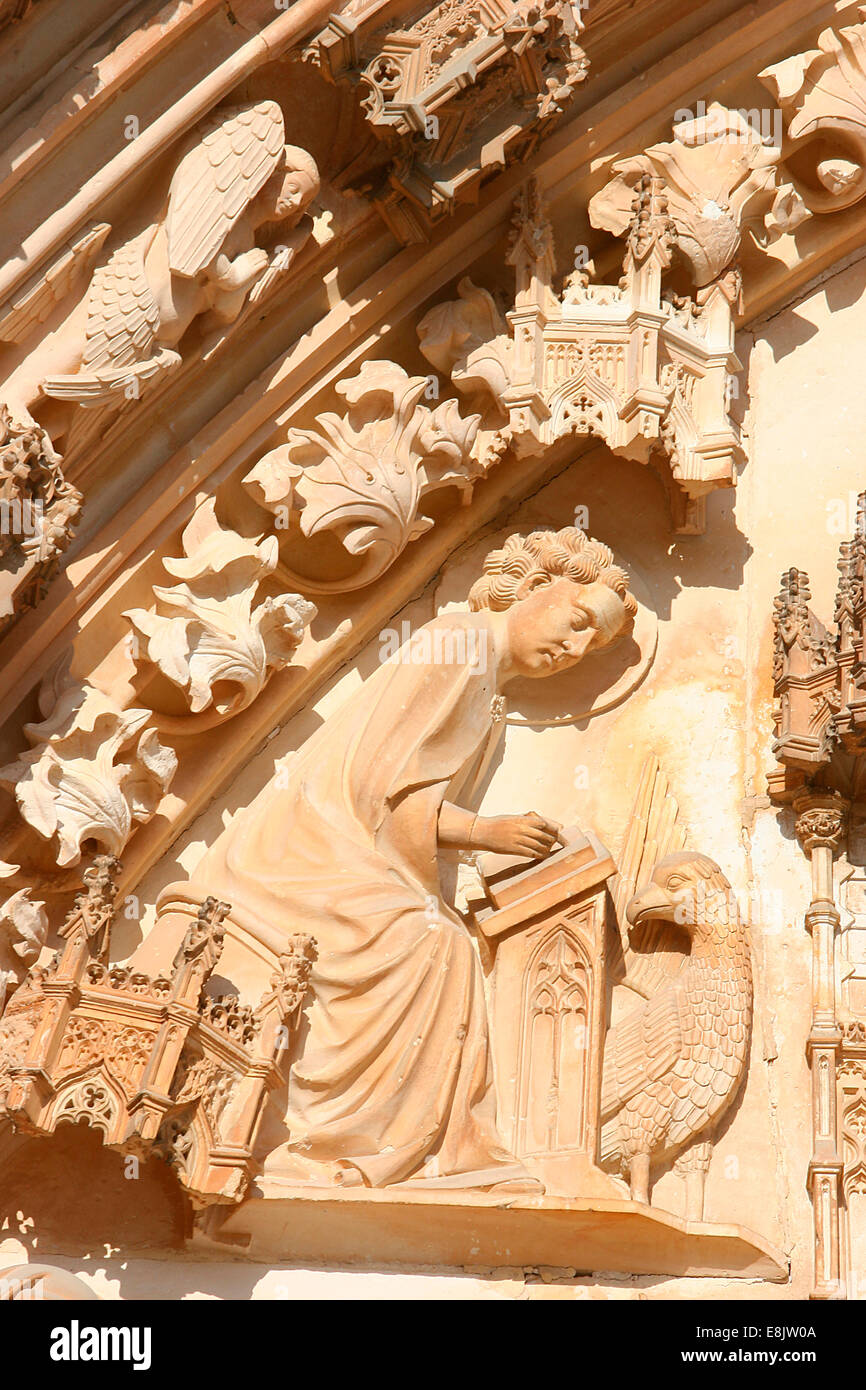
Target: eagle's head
<point>688,889</point>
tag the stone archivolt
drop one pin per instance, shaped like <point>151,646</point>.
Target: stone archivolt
<point>643,364</point>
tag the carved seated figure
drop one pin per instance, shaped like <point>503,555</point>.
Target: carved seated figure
<point>391,1078</point>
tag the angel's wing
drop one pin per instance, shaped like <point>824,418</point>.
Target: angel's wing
<point>44,291</point>
<point>653,831</point>
<point>640,1049</point>
<point>238,150</point>
<point>122,312</point>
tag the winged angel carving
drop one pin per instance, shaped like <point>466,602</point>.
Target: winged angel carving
<point>199,257</point>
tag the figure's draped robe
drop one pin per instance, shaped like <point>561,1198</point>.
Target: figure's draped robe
<point>394,1076</point>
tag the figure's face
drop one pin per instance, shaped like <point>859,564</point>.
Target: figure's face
<point>559,623</point>
<point>296,193</point>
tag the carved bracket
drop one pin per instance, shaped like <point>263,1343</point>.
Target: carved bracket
<point>451,97</point>
<point>154,1064</point>
<point>642,368</point>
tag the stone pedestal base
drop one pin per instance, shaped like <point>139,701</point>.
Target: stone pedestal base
<point>472,1230</point>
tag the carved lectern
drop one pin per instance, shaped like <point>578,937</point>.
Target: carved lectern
<point>547,925</point>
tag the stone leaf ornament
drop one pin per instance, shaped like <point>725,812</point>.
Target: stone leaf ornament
<point>23,928</point>
<point>364,475</point>
<point>208,630</point>
<point>719,176</point>
<point>94,769</point>
<point>822,94</point>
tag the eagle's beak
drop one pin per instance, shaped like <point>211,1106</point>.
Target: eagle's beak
<point>651,901</point>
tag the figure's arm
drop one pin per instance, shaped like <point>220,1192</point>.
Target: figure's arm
<point>531,835</point>
<point>239,273</point>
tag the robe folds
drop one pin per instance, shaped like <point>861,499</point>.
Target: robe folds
<point>391,1079</point>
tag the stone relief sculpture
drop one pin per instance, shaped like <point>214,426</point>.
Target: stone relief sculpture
<point>363,476</point>
<point>93,770</point>
<point>392,1081</point>
<point>38,509</point>
<point>199,258</point>
<point>822,94</point>
<point>206,635</point>
<point>449,97</point>
<point>23,929</point>
<point>632,363</point>
<point>673,1066</point>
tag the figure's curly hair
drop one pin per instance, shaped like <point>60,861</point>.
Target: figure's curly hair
<point>525,562</point>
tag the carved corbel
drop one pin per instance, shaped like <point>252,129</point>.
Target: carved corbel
<point>450,98</point>
<point>363,476</point>
<point>209,633</point>
<point>644,369</point>
<point>93,772</point>
<point>822,94</point>
<point>154,1064</point>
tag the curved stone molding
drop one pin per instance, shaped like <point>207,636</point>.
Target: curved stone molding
<point>364,475</point>
<point>209,632</point>
<point>93,772</point>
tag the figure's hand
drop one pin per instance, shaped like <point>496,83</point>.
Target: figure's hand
<point>531,835</point>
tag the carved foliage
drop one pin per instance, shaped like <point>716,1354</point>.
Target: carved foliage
<point>364,475</point>
<point>23,928</point>
<point>822,94</point>
<point>93,770</point>
<point>38,509</point>
<point>208,630</point>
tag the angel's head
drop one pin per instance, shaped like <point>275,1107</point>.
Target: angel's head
<point>289,191</point>
<point>563,595</point>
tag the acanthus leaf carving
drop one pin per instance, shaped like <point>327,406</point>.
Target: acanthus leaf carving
<point>214,633</point>
<point>23,929</point>
<point>364,475</point>
<point>822,94</point>
<point>94,769</point>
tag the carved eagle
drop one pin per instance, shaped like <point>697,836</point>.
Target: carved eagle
<point>673,1065</point>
